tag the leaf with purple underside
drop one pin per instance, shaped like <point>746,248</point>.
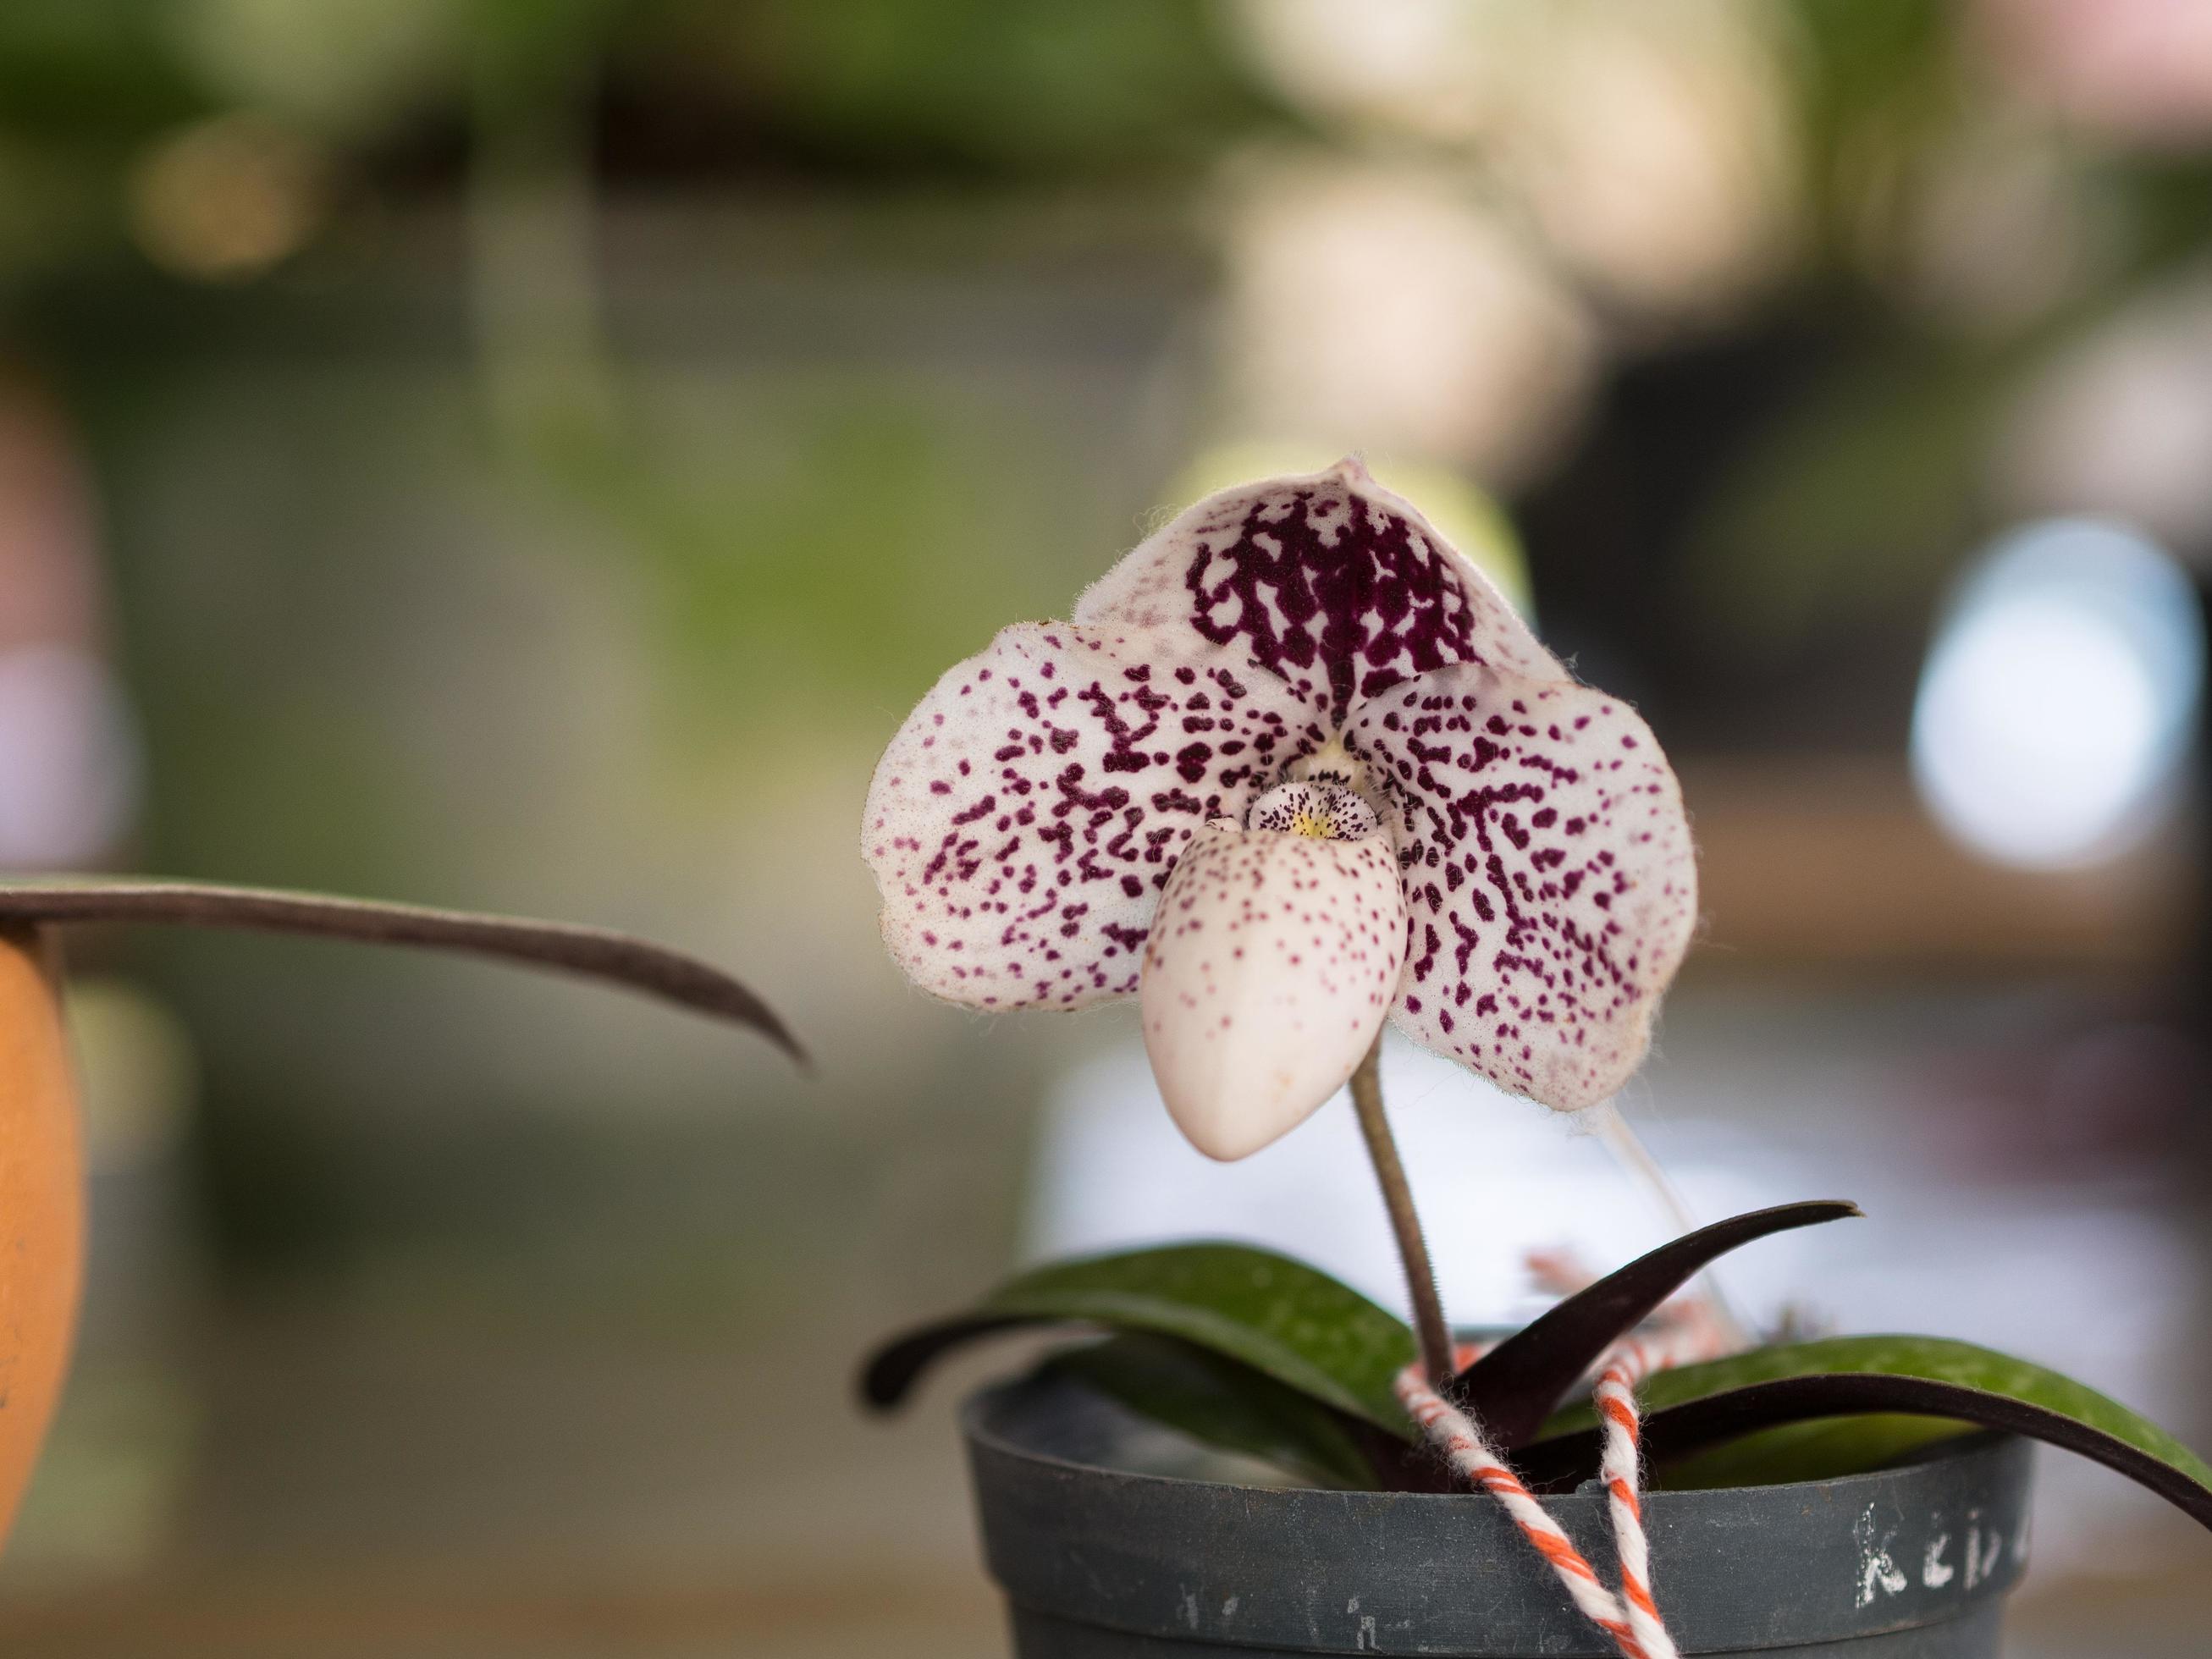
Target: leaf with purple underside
<point>1697,1406</point>
<point>590,953</point>
<point>1515,1386</point>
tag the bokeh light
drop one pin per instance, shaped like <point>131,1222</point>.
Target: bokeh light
<point>2140,70</point>
<point>1645,149</point>
<point>1374,306</point>
<point>2055,709</point>
<point>227,197</point>
<point>2119,422</point>
<point>68,762</point>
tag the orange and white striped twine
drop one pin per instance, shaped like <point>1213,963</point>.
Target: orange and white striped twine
<point>1454,1434</point>
<point>1683,1332</point>
<point>1620,1466</point>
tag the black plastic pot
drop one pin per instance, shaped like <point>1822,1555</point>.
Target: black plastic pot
<point>1106,1552</point>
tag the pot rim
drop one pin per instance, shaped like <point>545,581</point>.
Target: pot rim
<point>980,1400</point>
<point>1190,1562</point>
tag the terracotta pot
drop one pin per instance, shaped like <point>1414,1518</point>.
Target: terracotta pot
<point>41,1204</point>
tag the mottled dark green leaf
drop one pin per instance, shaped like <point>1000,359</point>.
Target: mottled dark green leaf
<point>1290,1321</point>
<point>1699,1407</point>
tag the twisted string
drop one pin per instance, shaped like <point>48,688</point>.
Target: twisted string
<point>1620,1467</point>
<point>1683,1331</point>
<point>1452,1432</point>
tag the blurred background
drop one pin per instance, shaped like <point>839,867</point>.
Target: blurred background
<point>531,455</point>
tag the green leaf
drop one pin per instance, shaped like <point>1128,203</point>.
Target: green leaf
<point>1283,1319</point>
<point>1223,1403</point>
<point>1822,1448</point>
<point>1697,1407</point>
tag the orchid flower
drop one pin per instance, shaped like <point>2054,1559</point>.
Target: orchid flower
<point>1293,768</point>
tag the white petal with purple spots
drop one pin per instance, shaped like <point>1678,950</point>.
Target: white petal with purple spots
<point>1327,580</point>
<point>1312,637</point>
<point>1271,967</point>
<point>1023,822</point>
<point>1548,873</point>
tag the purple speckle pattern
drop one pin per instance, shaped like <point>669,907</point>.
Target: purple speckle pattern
<point>1328,582</point>
<point>1023,822</point>
<point>1549,876</point>
<point>1314,807</point>
<point>1027,819</point>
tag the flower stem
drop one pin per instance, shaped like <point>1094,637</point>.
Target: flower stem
<point>1429,1327</point>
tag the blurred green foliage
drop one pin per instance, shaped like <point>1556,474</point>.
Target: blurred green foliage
<point>1860,490</point>
<point>907,89</point>
<point>651,399</point>
<point>1011,87</point>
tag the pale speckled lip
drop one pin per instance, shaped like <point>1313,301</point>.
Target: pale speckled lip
<point>1269,970</point>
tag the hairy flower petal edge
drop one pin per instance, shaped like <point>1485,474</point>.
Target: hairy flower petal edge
<point>1326,580</point>
<point>1021,823</point>
<point>1549,875</point>
<point>1273,964</point>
